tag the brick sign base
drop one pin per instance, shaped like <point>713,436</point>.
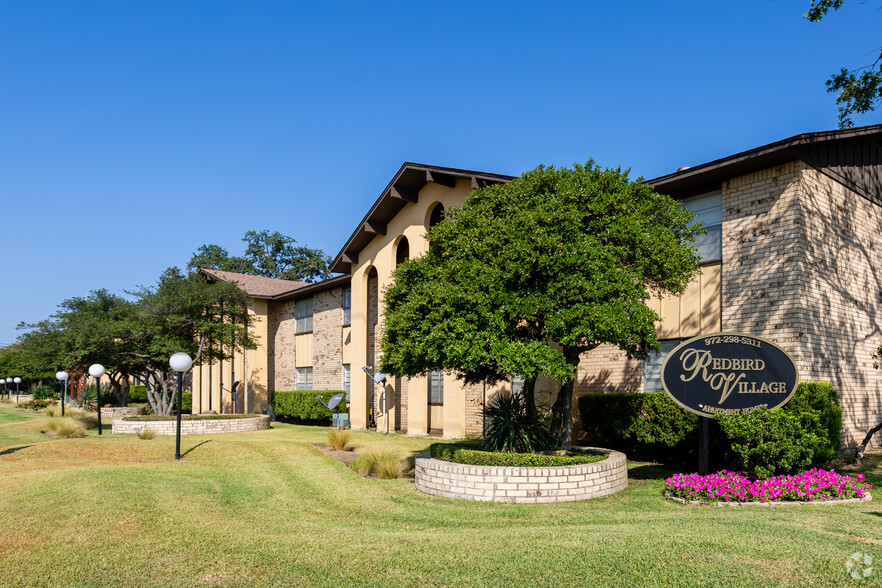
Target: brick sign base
<point>523,485</point>
<point>194,427</point>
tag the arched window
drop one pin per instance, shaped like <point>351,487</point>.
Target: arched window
<point>402,252</point>
<point>437,215</point>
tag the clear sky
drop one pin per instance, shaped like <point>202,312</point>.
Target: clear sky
<point>133,132</point>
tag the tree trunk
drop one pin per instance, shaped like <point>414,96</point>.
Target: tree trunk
<point>562,411</point>
<point>530,398</point>
<point>860,449</point>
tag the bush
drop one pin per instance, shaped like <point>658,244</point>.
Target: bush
<point>304,405</point>
<point>66,427</point>
<point>44,392</point>
<point>649,426</point>
<point>465,455</point>
<point>338,439</point>
<point>821,398</point>
<point>146,433</point>
<point>508,428</point>
<point>35,404</point>
<point>382,465</point>
<point>768,442</point>
<point>138,394</point>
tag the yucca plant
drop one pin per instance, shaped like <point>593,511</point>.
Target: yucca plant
<point>338,439</point>
<point>146,433</point>
<point>66,427</point>
<point>508,428</point>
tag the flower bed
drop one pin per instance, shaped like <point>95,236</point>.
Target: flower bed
<point>815,485</point>
<point>468,456</point>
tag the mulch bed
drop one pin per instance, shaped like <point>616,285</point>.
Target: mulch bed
<point>345,457</point>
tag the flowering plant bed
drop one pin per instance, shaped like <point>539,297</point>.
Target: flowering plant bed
<point>815,485</point>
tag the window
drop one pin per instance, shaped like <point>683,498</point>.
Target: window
<point>303,312</point>
<point>517,384</point>
<point>708,210</point>
<point>436,387</point>
<point>652,367</point>
<point>346,379</point>
<point>402,253</point>
<point>304,378</point>
<point>347,307</point>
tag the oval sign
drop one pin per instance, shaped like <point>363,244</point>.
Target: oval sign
<point>728,373</point>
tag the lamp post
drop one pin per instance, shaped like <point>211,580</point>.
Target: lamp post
<point>62,377</point>
<point>96,370</point>
<point>17,382</point>
<point>8,387</point>
<point>180,362</point>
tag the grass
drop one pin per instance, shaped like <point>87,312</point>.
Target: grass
<point>268,508</point>
<point>338,440</point>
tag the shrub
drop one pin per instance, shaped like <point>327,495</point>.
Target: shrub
<point>146,433</point>
<point>380,464</point>
<point>508,428</point>
<point>138,394</point>
<point>470,456</point>
<point>765,442</point>
<point>87,419</point>
<point>821,398</point>
<point>304,405</point>
<point>88,399</point>
<point>66,427</point>
<point>35,404</point>
<point>650,426</point>
<point>43,392</point>
<point>338,439</point>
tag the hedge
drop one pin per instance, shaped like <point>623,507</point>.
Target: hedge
<point>652,427</point>
<point>464,455</point>
<point>304,405</point>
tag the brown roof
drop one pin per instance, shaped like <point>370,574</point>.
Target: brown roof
<point>849,156</point>
<point>404,188</point>
<point>256,286</point>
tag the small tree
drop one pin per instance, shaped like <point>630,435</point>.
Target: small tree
<point>529,275</point>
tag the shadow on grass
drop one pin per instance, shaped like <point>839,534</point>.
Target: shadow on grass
<point>194,447</point>
<point>650,472</point>
<point>14,449</point>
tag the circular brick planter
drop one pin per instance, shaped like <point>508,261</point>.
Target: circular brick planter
<point>523,485</point>
<point>119,412</point>
<point>194,427</point>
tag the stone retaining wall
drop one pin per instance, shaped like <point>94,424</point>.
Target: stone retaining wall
<point>189,427</point>
<point>118,412</point>
<point>523,485</point>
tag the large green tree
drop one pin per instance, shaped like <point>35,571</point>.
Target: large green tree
<point>272,255</point>
<point>529,275</point>
<point>859,90</point>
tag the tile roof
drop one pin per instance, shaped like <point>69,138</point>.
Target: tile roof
<point>256,286</point>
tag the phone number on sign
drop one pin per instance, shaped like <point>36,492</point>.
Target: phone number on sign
<point>732,339</point>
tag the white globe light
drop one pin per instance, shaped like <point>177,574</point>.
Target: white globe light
<point>17,380</point>
<point>180,362</point>
<point>9,380</point>
<point>96,370</point>
<point>61,376</point>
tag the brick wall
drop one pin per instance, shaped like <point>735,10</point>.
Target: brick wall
<point>327,340</point>
<point>608,369</point>
<point>474,410</point>
<point>280,347</point>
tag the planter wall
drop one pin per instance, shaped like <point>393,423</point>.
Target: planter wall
<point>523,485</point>
<point>188,427</point>
<point>118,412</point>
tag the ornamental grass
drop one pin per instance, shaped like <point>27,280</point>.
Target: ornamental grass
<point>339,439</point>
<point>812,485</point>
<point>66,427</point>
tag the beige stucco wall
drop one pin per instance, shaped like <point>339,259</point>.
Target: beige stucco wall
<point>411,222</point>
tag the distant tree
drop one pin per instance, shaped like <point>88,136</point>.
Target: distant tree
<point>529,275</point>
<point>272,255</point>
<point>860,90</point>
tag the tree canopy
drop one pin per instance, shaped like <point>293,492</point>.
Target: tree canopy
<point>272,255</point>
<point>561,256</point>
<point>137,335</point>
<point>859,90</point>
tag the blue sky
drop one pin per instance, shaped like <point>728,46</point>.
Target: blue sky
<point>134,132</point>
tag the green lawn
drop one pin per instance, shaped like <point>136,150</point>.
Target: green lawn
<point>268,508</point>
